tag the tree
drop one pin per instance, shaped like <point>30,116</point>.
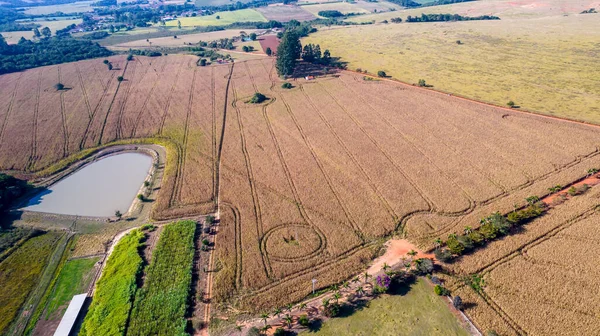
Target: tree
<point>140,196</point>
<point>264,316</point>
<point>288,52</point>
<point>111,29</point>
<point>129,57</point>
<point>203,62</point>
<point>36,33</point>
<point>257,98</point>
<point>337,296</point>
<point>422,83</point>
<point>46,32</point>
<point>360,291</point>
<point>59,86</point>
<point>326,57</point>
<point>268,51</point>
<point>457,302</point>
<point>110,66</point>
<point>289,307</point>
<point>288,319</point>
<point>253,36</point>
<point>381,73</point>
<point>218,17</point>
<point>178,24</point>
<point>106,61</point>
<point>511,104</point>
<point>277,312</point>
<point>118,214</point>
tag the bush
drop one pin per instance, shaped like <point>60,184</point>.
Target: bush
<point>511,104</point>
<point>140,197</point>
<point>279,332</point>
<point>254,331</point>
<point>422,83</point>
<point>466,242</point>
<point>443,254</point>
<point>441,290</point>
<point>476,237</point>
<point>286,85</point>
<point>330,13</point>
<point>381,73</point>
<point>268,51</point>
<point>488,231</point>
<point>454,245</point>
<point>424,266</point>
<point>499,222</point>
<point>130,57</point>
<point>457,302</point>
<point>59,86</point>
<point>203,62</point>
<point>120,79</point>
<point>257,98</point>
<point>332,310</point>
<point>303,320</point>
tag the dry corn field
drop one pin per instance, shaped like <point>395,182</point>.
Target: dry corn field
<point>311,180</point>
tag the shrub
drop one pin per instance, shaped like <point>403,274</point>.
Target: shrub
<point>488,231</point>
<point>268,51</point>
<point>330,13</point>
<point>303,320</point>
<point>443,254</point>
<point>476,237</point>
<point>254,331</point>
<point>499,222</point>
<point>381,73</point>
<point>422,83</point>
<point>59,86</point>
<point>457,302</point>
<point>441,290</point>
<point>279,332</point>
<point>203,62</point>
<point>331,310</point>
<point>140,197</point>
<point>358,70</point>
<point>120,78</point>
<point>466,242</point>
<point>130,57</point>
<point>257,98</point>
<point>424,266</point>
<point>205,242</point>
<point>454,245</point>
<point>286,85</point>
<point>511,104</point>
<point>492,333</point>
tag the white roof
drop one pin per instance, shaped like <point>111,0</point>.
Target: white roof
<point>68,320</point>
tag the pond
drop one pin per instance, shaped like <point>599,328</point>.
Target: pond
<point>98,189</point>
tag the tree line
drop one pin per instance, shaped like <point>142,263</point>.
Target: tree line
<point>290,50</point>
<point>448,17</point>
<point>48,51</point>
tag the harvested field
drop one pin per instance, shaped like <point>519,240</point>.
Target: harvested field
<point>269,41</point>
<point>182,40</point>
<point>285,13</point>
<point>312,179</point>
<point>343,7</point>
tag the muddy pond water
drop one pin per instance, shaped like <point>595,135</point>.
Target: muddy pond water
<point>98,189</point>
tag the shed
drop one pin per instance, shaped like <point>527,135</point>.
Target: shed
<point>68,320</point>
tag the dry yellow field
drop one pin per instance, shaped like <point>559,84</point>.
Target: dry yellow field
<point>543,64</point>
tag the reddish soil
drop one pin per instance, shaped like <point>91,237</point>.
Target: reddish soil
<point>397,249</point>
<point>269,41</point>
<point>591,181</point>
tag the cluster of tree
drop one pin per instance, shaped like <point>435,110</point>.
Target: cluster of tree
<point>413,4</point>
<point>312,53</point>
<point>210,54</point>
<point>240,5</point>
<point>25,3</point>
<point>396,20</point>
<point>149,53</point>
<point>448,17</point>
<point>105,3</point>
<point>589,11</point>
<point>330,13</point>
<point>10,189</point>
<point>248,48</point>
<point>66,30</point>
<point>27,54</point>
<point>492,227</point>
<point>288,52</point>
<point>8,17</point>
<point>97,35</point>
<point>224,43</point>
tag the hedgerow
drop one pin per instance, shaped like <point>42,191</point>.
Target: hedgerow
<point>116,288</point>
<point>161,303</point>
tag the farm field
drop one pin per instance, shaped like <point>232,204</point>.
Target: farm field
<point>426,164</point>
<point>418,312</point>
<point>285,13</point>
<point>75,7</point>
<point>544,64</point>
<point>182,39</point>
<point>112,301</point>
<point>20,273</point>
<point>161,304</point>
<point>201,3</point>
<point>54,25</point>
<point>242,15</point>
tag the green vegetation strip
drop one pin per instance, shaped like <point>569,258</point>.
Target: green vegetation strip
<point>74,278</point>
<point>161,304</point>
<point>20,272</point>
<point>115,290</point>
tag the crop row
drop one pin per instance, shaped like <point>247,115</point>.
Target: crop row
<point>116,288</point>
<point>160,305</point>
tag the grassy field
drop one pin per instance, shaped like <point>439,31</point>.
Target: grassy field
<point>225,18</point>
<point>181,39</point>
<point>116,288</point>
<point>161,304</point>
<point>548,65</point>
<point>418,312</point>
<point>74,278</point>
<point>19,274</point>
<point>201,3</point>
<point>75,7</point>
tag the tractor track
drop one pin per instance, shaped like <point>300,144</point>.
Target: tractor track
<point>9,109</point>
<point>143,107</point>
<point>112,101</point>
<point>168,104</point>
<point>64,120</point>
<point>95,111</point>
<point>36,110</point>
<point>119,130</point>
